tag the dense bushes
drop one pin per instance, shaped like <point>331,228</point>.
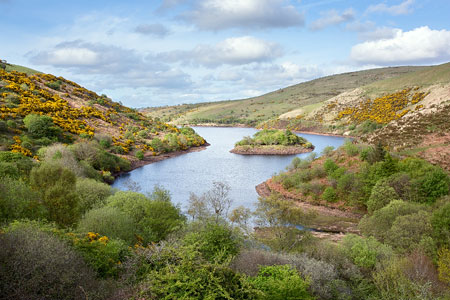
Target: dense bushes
<point>37,265</point>
<point>274,137</point>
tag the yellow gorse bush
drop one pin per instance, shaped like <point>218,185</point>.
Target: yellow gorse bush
<point>383,109</point>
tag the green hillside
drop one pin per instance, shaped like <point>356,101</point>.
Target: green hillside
<point>251,111</point>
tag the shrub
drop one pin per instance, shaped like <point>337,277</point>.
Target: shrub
<point>103,254</point>
<point>154,219</point>
<point>351,149</point>
<point>327,150</point>
<point>440,222</point>
<point>216,242</point>
<point>36,265</point>
<point>61,155</point>
<point>330,166</point>
<point>407,231</point>
<point>140,155</point>
<point>41,126</point>
<point>3,126</point>
<point>280,283</point>
<point>91,193</point>
<point>182,273</point>
<point>444,265</point>
<point>329,194</point>
<point>365,252</point>
<point>56,186</point>
<point>381,221</point>
<point>382,194</point>
<point>18,201</point>
<point>111,222</point>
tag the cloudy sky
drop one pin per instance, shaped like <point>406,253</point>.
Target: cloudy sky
<point>153,53</point>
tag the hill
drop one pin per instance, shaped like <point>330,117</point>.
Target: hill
<point>38,110</point>
<point>254,110</point>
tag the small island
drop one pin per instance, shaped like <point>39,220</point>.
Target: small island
<point>272,142</point>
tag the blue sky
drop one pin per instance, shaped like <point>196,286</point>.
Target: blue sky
<point>153,53</point>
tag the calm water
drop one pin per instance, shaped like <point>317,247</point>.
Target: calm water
<point>196,171</point>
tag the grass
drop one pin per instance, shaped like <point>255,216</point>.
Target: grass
<point>28,71</point>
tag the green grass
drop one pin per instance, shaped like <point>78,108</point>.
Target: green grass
<point>28,71</point>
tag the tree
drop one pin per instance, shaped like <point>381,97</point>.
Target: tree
<point>214,203</point>
<point>440,221</point>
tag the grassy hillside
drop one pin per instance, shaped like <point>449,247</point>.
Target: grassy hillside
<point>38,110</point>
<point>254,110</point>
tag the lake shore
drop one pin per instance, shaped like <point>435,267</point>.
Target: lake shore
<point>149,158</point>
<point>270,150</point>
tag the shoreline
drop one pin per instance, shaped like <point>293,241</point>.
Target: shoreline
<point>270,150</point>
<point>149,159</point>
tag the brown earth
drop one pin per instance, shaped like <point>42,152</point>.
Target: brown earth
<point>270,150</point>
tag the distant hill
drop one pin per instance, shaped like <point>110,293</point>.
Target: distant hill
<point>254,110</point>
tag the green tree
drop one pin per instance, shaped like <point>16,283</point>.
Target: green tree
<point>440,222</point>
<point>382,194</point>
<point>91,193</point>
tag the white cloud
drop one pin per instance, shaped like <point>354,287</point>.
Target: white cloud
<point>421,45</point>
<point>156,29</point>
<point>380,33</point>
<point>232,51</point>
<point>332,17</point>
<point>111,66</point>
<point>222,14</point>
<point>403,8</point>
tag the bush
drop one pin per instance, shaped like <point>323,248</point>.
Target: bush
<point>381,221</point>
<point>91,193</point>
<point>154,219</point>
<point>382,194</point>
<point>182,273</point>
<point>330,166</point>
<point>407,231</point>
<point>280,283</point>
<point>103,254</point>
<point>140,155</point>
<point>216,242</point>
<point>329,194</point>
<point>56,186</point>
<point>41,126</point>
<point>440,222</point>
<point>36,265</point>
<point>18,201</point>
<point>365,252</point>
<point>111,222</point>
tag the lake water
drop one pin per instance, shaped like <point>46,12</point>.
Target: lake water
<point>195,172</point>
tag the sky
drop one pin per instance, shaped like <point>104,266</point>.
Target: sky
<point>169,52</point>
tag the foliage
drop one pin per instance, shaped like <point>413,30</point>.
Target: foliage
<point>18,201</point>
<point>37,265</point>
<point>56,186</point>
<point>41,126</point>
<point>440,221</point>
<point>444,265</point>
<point>91,193</point>
<point>111,222</point>
<point>365,252</point>
<point>281,283</point>
<point>329,194</point>
<point>273,137</point>
<point>154,219</point>
<point>182,273</point>
<point>214,203</point>
<point>382,194</point>
<point>216,242</point>
<point>103,254</point>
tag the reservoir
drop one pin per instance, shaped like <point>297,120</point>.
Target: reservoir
<point>196,171</point>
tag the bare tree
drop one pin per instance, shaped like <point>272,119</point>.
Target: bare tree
<point>214,203</point>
